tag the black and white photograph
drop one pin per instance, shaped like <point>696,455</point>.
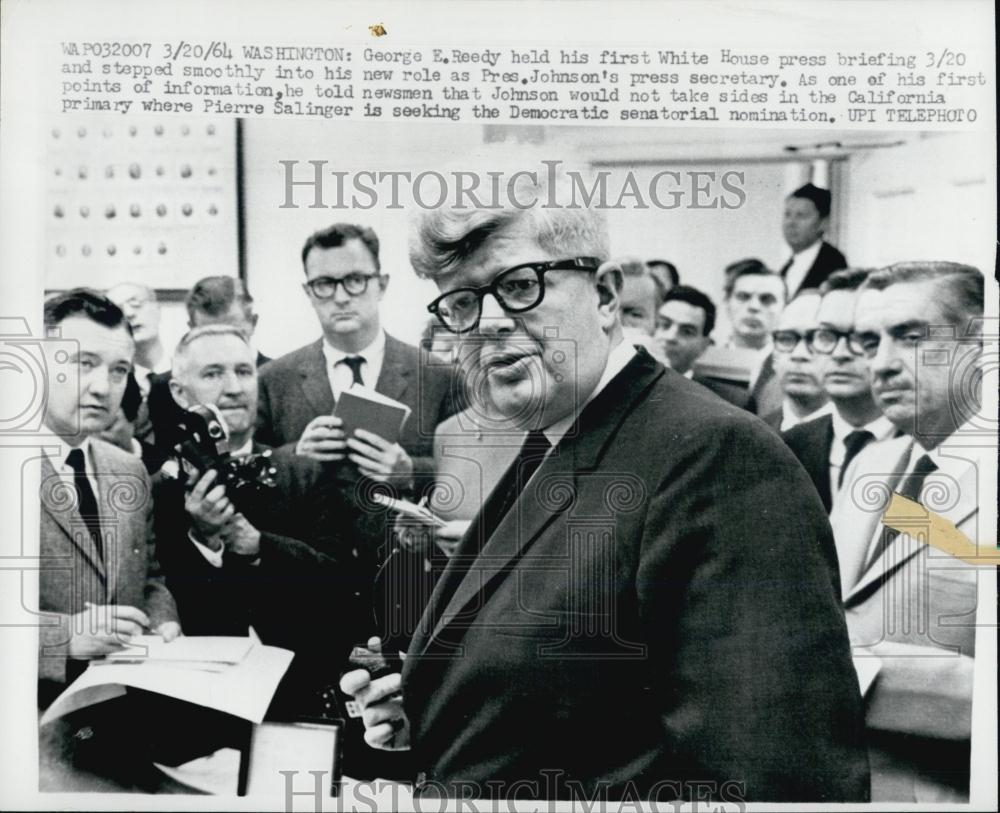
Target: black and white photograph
<point>404,409</point>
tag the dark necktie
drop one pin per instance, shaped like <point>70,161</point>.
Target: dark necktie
<point>86,501</point>
<point>355,362</point>
<point>910,488</point>
<point>529,458</point>
<point>853,443</point>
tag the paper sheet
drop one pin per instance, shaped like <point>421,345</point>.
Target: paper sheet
<point>243,690</point>
<point>191,648</point>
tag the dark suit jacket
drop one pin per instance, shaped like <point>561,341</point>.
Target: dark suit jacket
<point>737,396</point>
<point>74,572</point>
<point>295,388</point>
<point>810,442</point>
<point>827,261</point>
<point>669,532</point>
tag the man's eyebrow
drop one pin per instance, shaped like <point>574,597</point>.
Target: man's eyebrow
<point>908,325</point>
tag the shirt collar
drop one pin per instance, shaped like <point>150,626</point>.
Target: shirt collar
<point>790,419</point>
<point>374,350</point>
<point>944,455</point>
<point>618,359</point>
<point>809,252</point>
<point>882,428</point>
<point>49,439</point>
<point>244,451</point>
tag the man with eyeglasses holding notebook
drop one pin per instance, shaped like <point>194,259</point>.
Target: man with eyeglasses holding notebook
<point>642,608</point>
<point>298,392</point>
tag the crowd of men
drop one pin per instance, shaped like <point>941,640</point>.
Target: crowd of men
<point>656,562</point>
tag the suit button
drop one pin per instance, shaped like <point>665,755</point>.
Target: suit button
<point>84,733</point>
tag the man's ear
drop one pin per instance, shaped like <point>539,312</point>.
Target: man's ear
<point>383,283</point>
<point>177,391</point>
<point>608,280</point>
<point>253,321</point>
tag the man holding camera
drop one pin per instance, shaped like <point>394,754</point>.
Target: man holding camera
<point>260,563</point>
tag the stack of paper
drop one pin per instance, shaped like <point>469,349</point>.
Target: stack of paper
<point>236,676</point>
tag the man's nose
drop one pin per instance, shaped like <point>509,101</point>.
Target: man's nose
<point>97,381</point>
<point>340,295</point>
<point>493,319</point>
<point>800,352</point>
<point>231,383</point>
<point>669,335</point>
<point>841,352</point>
<point>886,358</point>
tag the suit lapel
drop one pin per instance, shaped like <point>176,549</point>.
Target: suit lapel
<point>58,500</point>
<point>115,491</point>
<point>548,494</point>
<point>315,381</point>
<point>904,547</point>
<point>394,379</point>
<point>820,453</point>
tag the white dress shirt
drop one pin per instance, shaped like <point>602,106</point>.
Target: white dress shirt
<point>790,419</point>
<point>618,359</point>
<point>341,377</point>
<point>882,429</point>
<point>801,263</point>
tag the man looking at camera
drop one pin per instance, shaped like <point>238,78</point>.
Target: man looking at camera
<point>298,392</point>
<point>622,552</point>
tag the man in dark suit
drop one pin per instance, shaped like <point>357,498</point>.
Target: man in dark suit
<point>826,446</point>
<point>298,391</point>
<point>646,529</point>
<point>684,327</point>
<point>807,211</point>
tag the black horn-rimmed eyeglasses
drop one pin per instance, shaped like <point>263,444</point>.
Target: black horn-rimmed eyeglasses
<point>517,290</point>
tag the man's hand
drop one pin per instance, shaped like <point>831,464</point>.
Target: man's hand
<point>419,537</point>
<point>104,628</point>
<point>168,631</point>
<point>450,534</point>
<point>386,725</point>
<point>378,459</point>
<point>209,508</point>
<point>322,440</point>
<point>240,537</point>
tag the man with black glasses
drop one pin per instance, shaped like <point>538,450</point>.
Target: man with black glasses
<point>646,530</point>
<point>825,446</point>
<point>795,366</point>
<point>298,392</point>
